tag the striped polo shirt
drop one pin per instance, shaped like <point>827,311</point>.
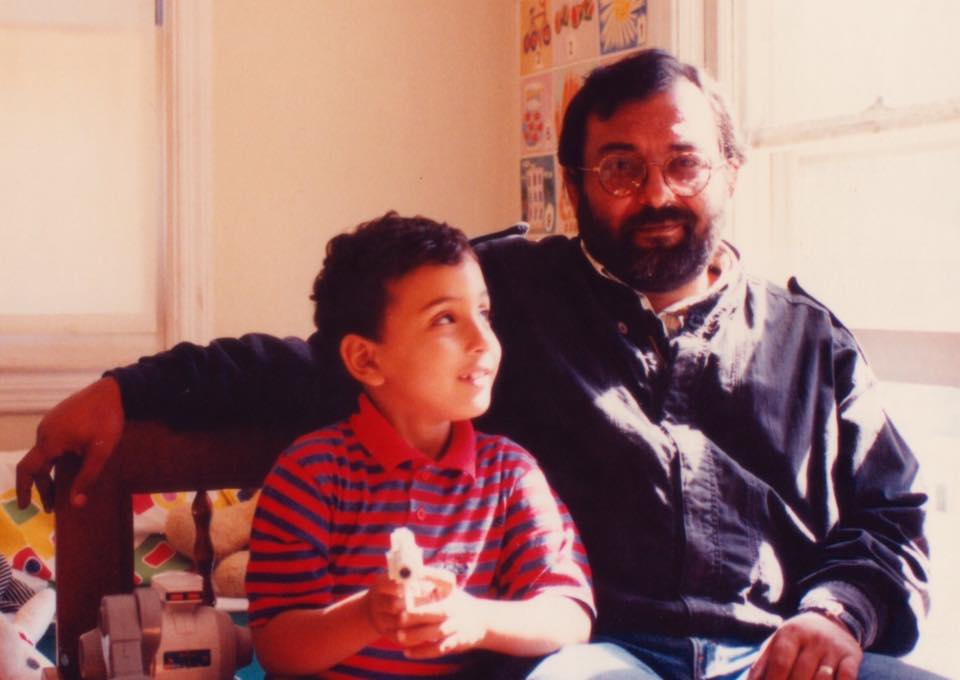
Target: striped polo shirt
<point>483,511</point>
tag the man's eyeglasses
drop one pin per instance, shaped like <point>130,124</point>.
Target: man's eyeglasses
<point>623,173</point>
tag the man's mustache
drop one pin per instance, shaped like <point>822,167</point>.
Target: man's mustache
<point>648,217</point>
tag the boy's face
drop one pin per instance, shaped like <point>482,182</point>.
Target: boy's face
<point>437,356</point>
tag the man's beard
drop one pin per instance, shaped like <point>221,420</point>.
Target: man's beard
<point>649,269</point>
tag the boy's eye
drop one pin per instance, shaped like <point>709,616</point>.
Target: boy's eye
<point>443,319</point>
<point>486,314</point>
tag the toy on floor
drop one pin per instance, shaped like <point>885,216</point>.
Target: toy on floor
<point>230,536</point>
<point>163,631</point>
<point>20,631</point>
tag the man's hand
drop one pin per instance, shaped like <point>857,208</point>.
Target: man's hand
<point>88,423</point>
<point>809,646</point>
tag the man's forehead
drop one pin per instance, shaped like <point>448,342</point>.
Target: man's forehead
<point>680,116</point>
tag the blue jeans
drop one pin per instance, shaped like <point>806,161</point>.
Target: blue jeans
<point>656,657</point>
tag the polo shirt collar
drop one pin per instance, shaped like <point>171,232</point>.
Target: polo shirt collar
<point>385,444</point>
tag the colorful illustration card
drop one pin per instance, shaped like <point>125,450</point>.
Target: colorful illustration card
<point>567,82</point>
<point>566,216</point>
<point>623,24</point>
<point>536,36</point>
<point>575,27</point>
<point>538,194</point>
<point>536,109</point>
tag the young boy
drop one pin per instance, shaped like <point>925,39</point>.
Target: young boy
<point>404,304</point>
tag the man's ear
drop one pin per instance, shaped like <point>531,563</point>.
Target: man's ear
<point>571,184</point>
<point>359,356</point>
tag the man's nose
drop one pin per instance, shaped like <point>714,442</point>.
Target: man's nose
<point>655,191</point>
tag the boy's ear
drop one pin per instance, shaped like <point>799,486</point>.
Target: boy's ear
<point>359,356</point>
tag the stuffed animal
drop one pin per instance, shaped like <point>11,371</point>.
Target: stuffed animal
<point>230,536</point>
<point>20,631</point>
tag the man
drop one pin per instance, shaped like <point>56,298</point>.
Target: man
<point>747,508</point>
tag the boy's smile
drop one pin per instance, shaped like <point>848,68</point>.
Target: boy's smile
<point>437,356</point>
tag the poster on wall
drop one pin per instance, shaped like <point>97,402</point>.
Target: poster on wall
<point>538,194</point>
<point>576,30</point>
<point>566,216</point>
<point>623,25</point>
<point>538,123</point>
<point>562,41</point>
<point>536,36</point>
<point>567,82</point>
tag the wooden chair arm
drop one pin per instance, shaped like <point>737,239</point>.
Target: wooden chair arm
<point>94,544</point>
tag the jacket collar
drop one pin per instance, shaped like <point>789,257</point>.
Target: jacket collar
<point>690,312</point>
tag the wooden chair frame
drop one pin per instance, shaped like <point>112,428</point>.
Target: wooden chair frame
<point>94,544</point>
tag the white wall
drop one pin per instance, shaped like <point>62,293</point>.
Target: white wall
<point>327,113</point>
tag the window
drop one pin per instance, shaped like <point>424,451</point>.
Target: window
<point>103,175</point>
<point>852,113</point>
<point>852,110</point>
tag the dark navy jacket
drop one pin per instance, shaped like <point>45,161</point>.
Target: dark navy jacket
<point>717,475</point>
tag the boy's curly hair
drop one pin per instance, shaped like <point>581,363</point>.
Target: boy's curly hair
<point>350,291</point>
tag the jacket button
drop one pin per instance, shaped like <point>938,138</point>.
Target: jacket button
<point>421,514</point>
<point>623,328</point>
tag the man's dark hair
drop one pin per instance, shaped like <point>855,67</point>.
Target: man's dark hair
<point>350,291</point>
<point>638,77</point>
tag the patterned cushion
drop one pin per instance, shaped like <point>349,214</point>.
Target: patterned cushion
<point>27,536</point>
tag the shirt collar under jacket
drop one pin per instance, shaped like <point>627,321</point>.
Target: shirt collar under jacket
<point>386,445</point>
<point>725,262</point>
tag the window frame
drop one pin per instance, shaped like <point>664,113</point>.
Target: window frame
<point>913,356</point>
<point>53,359</point>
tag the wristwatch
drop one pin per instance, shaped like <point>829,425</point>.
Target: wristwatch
<point>836,612</point>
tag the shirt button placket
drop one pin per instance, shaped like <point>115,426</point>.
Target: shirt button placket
<point>417,511</point>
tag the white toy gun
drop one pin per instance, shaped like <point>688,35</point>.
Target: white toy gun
<point>405,563</point>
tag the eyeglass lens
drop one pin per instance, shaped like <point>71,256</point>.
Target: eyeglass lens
<point>686,174</point>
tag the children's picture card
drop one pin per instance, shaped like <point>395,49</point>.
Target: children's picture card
<point>623,24</point>
<point>538,194</point>
<point>538,123</point>
<point>576,31</point>
<point>536,36</point>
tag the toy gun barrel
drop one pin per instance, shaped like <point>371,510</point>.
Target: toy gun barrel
<point>405,558</point>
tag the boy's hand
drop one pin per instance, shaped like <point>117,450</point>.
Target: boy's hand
<point>385,605</point>
<point>386,602</point>
<point>88,423</point>
<point>447,620</point>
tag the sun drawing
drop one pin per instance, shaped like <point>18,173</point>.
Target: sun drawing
<point>618,22</point>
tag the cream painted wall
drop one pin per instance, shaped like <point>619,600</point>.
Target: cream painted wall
<point>327,113</point>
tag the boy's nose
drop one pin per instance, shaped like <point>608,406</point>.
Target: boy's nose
<point>481,337</point>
